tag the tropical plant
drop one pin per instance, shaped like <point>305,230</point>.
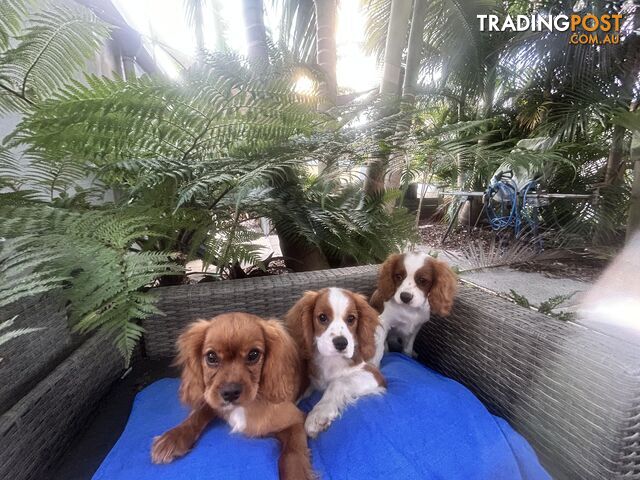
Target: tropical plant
<point>40,55</point>
<point>50,236</point>
<point>176,170</point>
<point>91,256</point>
<point>196,12</point>
<point>633,225</point>
<point>297,29</point>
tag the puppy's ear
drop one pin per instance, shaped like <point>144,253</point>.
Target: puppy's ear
<point>299,321</point>
<point>366,330</point>
<point>190,359</point>
<point>444,288</point>
<point>281,369</point>
<point>386,283</point>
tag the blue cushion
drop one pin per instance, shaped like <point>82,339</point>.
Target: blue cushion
<point>425,427</point>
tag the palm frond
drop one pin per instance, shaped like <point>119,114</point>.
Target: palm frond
<point>297,28</point>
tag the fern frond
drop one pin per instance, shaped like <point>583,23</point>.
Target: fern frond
<point>55,43</point>
<point>12,15</point>
<point>89,253</point>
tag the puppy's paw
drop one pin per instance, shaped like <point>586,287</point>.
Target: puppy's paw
<point>296,466</point>
<point>319,419</point>
<point>168,446</point>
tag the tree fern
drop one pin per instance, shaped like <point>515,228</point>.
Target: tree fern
<point>339,219</point>
<point>12,15</point>
<point>43,53</point>
<point>89,257</point>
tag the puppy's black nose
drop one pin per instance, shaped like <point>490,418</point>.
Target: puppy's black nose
<point>230,392</point>
<point>406,297</point>
<point>340,343</point>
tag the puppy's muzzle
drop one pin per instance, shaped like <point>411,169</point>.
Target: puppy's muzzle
<point>230,392</point>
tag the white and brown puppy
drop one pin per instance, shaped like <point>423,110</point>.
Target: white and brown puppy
<point>335,331</point>
<point>410,287</point>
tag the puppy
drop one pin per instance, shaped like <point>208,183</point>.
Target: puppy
<point>335,331</point>
<point>246,371</point>
<point>410,287</point>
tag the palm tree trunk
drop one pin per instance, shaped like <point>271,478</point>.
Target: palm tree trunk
<point>615,163</point>
<point>253,12</point>
<point>198,21</point>
<point>414,51</point>
<point>488,95</point>
<point>394,47</point>
<point>220,43</point>
<point>489,91</point>
<point>326,48</point>
<point>390,85</point>
<point>301,256</point>
<point>410,83</point>
<point>459,160</point>
<point>633,223</point>
<point>426,181</point>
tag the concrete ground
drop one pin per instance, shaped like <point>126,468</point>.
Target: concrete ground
<point>534,286</point>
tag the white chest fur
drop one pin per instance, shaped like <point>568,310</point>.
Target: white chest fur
<point>237,419</point>
<point>402,317</point>
<point>326,369</point>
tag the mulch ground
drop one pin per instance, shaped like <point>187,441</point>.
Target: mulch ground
<point>432,234</point>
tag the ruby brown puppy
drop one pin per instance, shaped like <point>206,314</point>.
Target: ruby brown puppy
<point>335,330</point>
<point>410,287</point>
<point>246,371</point>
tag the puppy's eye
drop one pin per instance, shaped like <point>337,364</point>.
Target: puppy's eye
<point>422,281</point>
<point>253,356</point>
<point>212,359</point>
<point>322,318</point>
<point>398,276</point>
<point>351,319</point>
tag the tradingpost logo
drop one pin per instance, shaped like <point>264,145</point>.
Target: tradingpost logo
<point>588,29</point>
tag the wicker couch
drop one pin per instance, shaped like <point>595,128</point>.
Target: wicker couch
<point>572,392</point>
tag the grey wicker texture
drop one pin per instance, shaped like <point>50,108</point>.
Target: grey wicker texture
<point>37,429</point>
<point>266,296</point>
<point>572,392</point>
<point>27,359</point>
